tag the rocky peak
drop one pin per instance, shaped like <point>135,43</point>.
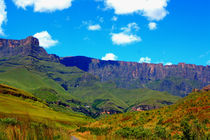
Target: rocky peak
<point>29,41</point>
<point>24,47</point>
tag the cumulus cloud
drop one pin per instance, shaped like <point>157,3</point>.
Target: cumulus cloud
<point>109,56</point>
<point>152,26</point>
<point>3,15</point>
<point>131,27</point>
<point>44,5</point>
<point>45,39</point>
<point>114,18</point>
<point>145,60</point>
<point>126,36</point>
<point>123,38</point>
<point>169,63</point>
<point>208,62</point>
<point>152,9</point>
<point>95,27</point>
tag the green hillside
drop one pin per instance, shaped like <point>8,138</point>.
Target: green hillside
<point>121,100</point>
<point>187,119</point>
<point>22,116</point>
<point>44,79</point>
<point>69,89</point>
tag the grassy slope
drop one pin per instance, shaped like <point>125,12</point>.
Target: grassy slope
<point>175,85</point>
<point>37,77</point>
<point>10,104</point>
<point>44,80</point>
<point>24,79</point>
<point>122,97</point>
<point>143,96</point>
<point>28,112</point>
<point>188,118</point>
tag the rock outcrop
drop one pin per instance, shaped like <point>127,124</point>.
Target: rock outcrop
<point>25,47</point>
<point>207,88</point>
<point>176,79</point>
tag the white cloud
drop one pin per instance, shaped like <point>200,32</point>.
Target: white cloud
<point>152,9</point>
<point>152,26</point>
<point>3,15</point>
<point>126,36</point>
<point>44,5</point>
<point>131,27</point>
<point>114,18</point>
<point>124,39</point>
<point>45,39</point>
<point>95,27</point>
<point>109,56</point>
<point>100,19</point>
<point>169,63</point>
<point>208,62</point>
<point>145,60</point>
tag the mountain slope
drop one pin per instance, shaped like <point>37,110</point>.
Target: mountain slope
<point>176,79</point>
<point>187,119</point>
<point>23,116</point>
<point>64,88</point>
<point>114,100</point>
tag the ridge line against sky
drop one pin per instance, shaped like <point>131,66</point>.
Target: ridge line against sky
<point>152,31</point>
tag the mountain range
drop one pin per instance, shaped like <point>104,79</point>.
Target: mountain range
<point>46,96</point>
<point>176,79</point>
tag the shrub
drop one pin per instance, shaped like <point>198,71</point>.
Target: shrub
<point>82,129</point>
<point>177,136</point>
<point>94,130</point>
<point>124,132</point>
<point>185,129</point>
<point>160,131</point>
<point>136,132</point>
<point>160,121</point>
<point>8,121</point>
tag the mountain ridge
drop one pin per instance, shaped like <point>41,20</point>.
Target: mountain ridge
<point>29,46</point>
<point>141,75</point>
<point>176,79</point>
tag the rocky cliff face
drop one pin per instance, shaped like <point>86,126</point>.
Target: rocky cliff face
<point>177,79</point>
<point>26,47</point>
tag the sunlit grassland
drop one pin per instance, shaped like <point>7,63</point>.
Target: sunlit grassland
<point>187,119</point>
<point>25,118</point>
<point>27,80</point>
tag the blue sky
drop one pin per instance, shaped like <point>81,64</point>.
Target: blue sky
<point>155,31</point>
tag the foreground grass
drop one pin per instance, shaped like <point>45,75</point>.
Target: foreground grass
<point>23,117</point>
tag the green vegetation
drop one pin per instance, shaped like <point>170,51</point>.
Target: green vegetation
<point>69,89</point>
<point>44,79</point>
<point>187,119</point>
<point>121,100</point>
<point>174,85</point>
<point>22,117</point>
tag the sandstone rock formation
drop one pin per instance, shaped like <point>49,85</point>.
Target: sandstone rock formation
<point>177,79</point>
<point>25,47</point>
